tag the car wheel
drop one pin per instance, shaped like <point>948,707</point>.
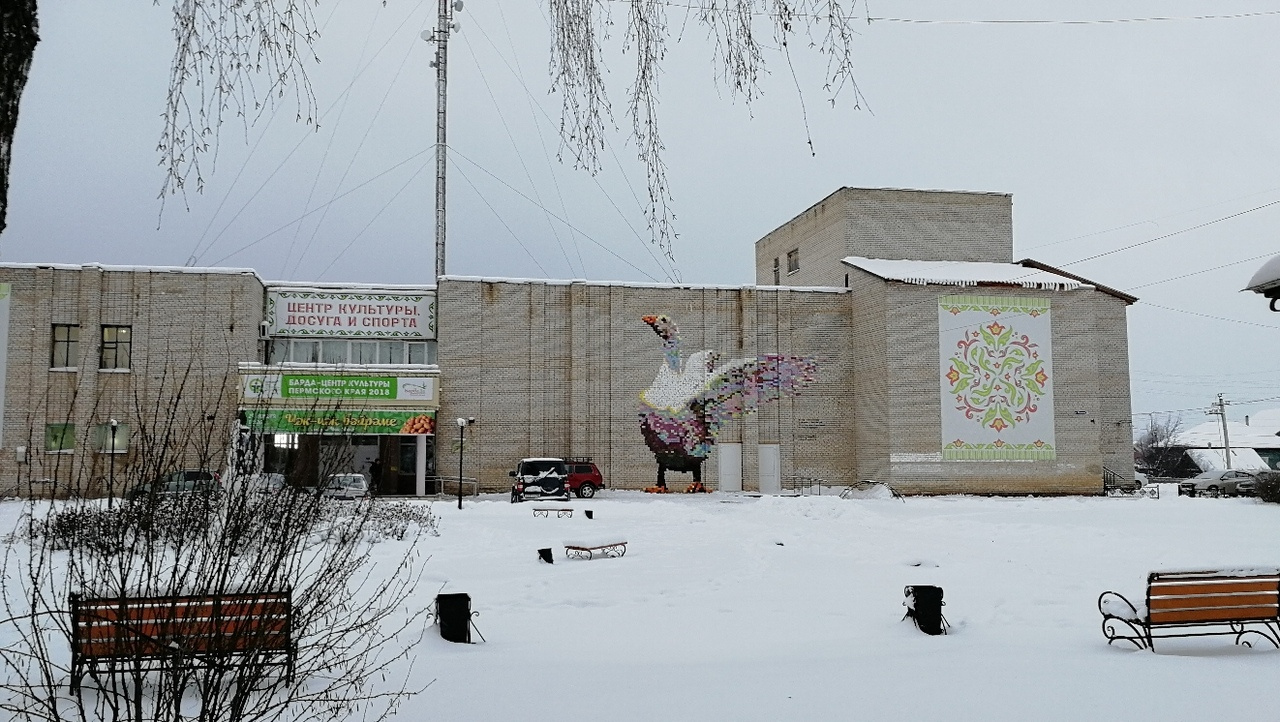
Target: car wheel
<point>1212,492</point>
<point>586,491</point>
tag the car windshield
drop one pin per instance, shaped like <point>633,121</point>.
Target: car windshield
<point>346,481</point>
<point>541,466</point>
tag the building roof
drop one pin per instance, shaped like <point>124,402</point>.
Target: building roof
<point>1213,459</point>
<point>1026,273</point>
<point>1209,435</point>
<point>962,273</point>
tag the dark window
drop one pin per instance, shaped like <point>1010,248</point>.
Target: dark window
<point>66,346</point>
<point>117,347</point>
<point>793,260</point>
<point>777,277</point>
<point>59,437</point>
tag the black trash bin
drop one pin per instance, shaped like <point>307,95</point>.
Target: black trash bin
<point>924,606</point>
<point>453,613</point>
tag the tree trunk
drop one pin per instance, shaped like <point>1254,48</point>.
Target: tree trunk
<point>18,38</point>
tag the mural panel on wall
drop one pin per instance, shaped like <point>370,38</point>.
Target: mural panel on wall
<point>996,365</point>
<point>692,398</point>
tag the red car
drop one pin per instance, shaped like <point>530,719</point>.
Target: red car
<point>584,476</point>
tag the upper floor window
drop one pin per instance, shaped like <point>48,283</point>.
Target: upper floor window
<point>777,277</point>
<point>793,261</point>
<point>359,352</point>
<point>65,352</point>
<point>117,347</point>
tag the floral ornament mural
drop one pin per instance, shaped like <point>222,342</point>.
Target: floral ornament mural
<point>996,378</point>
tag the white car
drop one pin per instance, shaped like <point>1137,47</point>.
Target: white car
<point>346,486</point>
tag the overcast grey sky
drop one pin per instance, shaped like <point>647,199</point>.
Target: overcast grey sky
<point>1106,134</point>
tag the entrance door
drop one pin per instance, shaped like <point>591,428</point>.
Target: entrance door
<point>730,467</point>
<point>770,469</point>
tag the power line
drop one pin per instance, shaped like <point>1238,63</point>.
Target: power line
<point>517,191</point>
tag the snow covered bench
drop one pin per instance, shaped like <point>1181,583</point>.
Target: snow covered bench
<point>546,511</point>
<point>587,550</point>
<point>181,630</point>
<point>1237,602</point>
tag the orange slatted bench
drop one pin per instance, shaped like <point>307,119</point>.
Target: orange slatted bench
<point>185,630</point>
<point>1243,603</point>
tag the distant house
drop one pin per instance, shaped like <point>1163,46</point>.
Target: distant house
<point>1255,444</point>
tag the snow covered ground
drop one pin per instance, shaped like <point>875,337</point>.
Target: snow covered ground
<point>729,607</point>
<point>738,608</point>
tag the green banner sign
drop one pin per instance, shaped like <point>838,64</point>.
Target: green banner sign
<point>294,386</point>
<point>338,421</point>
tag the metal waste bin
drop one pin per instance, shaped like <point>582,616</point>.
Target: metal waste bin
<point>453,614</point>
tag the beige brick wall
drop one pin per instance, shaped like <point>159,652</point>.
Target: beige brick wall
<point>1091,376</point>
<point>557,369</point>
<point>888,223</point>
<point>189,330</point>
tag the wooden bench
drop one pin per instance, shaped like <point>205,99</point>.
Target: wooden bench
<point>181,630</point>
<point>1197,604</point>
<point>585,550</point>
<point>546,511</point>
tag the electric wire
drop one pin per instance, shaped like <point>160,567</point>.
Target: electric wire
<point>497,215</point>
<point>584,234</point>
<point>672,272</point>
<point>324,157</point>
<point>502,118</point>
<point>307,134</point>
<point>381,210</point>
<point>542,140</point>
<point>355,154</point>
<point>320,208</point>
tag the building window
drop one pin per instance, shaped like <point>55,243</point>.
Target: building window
<point>341,351</point>
<point>66,346</point>
<point>793,261</point>
<point>108,439</point>
<point>777,277</point>
<point>364,352</point>
<point>117,347</point>
<point>59,438</point>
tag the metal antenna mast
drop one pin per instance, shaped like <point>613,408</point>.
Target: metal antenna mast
<point>440,36</point>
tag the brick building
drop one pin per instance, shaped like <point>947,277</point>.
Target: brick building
<point>890,337</point>
<point>891,294</point>
<point>154,349</point>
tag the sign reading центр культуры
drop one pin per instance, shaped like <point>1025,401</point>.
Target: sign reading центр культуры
<point>321,314</point>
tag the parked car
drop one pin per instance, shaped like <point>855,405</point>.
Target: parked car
<point>539,479</point>
<point>348,486</point>
<point>584,477</point>
<point>265,483</point>
<point>1219,482</point>
<point>182,481</point>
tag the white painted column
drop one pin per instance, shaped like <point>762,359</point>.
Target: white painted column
<point>421,464</point>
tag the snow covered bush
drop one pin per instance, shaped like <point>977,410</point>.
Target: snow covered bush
<point>1269,488</point>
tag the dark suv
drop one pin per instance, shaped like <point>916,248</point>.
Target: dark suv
<point>584,477</point>
<point>539,479</point>
<point>183,481</point>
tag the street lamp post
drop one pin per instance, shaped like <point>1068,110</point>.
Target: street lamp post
<point>111,460</point>
<point>462,443</point>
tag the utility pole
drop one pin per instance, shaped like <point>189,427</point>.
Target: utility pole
<point>1219,409</point>
<point>440,36</point>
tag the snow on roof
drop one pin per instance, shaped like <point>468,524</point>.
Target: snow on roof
<point>1266,278</point>
<point>963,273</point>
<point>134,269</point>
<point>644,284</point>
<point>318,287</point>
<point>1213,460</point>
<point>1209,435</point>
